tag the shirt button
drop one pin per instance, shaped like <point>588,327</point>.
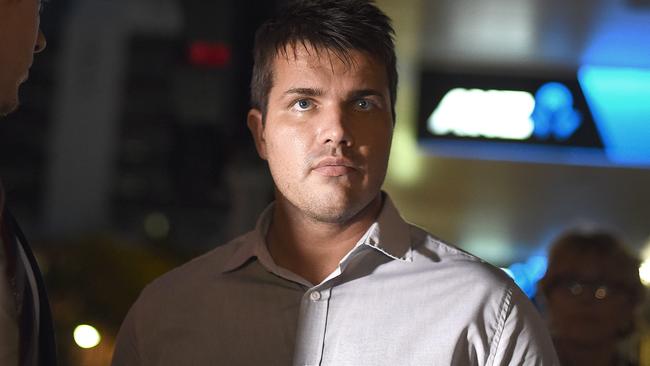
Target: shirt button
<point>314,296</point>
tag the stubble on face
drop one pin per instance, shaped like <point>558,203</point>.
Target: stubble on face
<point>339,205</point>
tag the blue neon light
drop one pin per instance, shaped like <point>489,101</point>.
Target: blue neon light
<point>554,114</point>
<point>619,100</point>
<point>620,38</point>
<point>527,274</point>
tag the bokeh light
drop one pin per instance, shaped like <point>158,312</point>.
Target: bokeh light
<point>86,336</point>
<point>644,272</point>
<point>157,225</point>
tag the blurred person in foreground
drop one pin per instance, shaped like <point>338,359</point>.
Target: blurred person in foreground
<point>591,290</point>
<point>331,275</point>
<point>26,333</point>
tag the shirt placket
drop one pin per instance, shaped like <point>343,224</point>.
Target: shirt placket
<point>312,325</point>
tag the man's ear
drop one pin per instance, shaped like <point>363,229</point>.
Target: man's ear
<point>256,126</point>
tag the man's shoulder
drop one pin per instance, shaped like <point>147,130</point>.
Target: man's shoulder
<point>196,273</point>
<point>450,261</point>
<point>477,288</point>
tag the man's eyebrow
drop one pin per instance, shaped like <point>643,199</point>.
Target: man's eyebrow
<point>356,94</point>
<point>308,92</point>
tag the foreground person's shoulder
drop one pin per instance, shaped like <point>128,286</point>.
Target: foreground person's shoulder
<point>196,272</point>
<point>440,255</point>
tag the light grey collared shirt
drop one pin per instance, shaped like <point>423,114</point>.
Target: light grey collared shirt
<point>399,297</point>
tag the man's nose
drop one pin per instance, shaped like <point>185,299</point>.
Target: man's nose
<point>335,129</point>
<point>41,42</point>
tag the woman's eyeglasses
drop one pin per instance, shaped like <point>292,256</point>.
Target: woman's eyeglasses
<point>598,290</point>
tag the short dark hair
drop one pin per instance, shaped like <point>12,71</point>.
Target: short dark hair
<point>339,26</point>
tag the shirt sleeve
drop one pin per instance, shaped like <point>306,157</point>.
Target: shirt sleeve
<point>126,346</point>
<point>521,337</point>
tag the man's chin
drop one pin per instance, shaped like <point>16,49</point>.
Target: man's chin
<point>335,211</point>
<point>7,108</point>
<point>331,216</point>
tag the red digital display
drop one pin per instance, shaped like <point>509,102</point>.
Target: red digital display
<point>209,54</point>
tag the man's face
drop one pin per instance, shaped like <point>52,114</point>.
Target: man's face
<point>327,132</point>
<point>20,38</point>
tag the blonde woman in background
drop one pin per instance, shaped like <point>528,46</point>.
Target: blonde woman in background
<point>592,291</point>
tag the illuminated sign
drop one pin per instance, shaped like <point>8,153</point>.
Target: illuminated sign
<point>507,114</point>
<point>600,118</point>
<point>504,114</point>
<point>554,115</point>
<point>619,99</point>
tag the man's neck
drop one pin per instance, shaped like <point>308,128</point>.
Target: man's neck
<point>314,249</point>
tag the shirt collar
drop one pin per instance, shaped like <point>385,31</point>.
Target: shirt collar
<point>253,244</point>
<point>389,234</point>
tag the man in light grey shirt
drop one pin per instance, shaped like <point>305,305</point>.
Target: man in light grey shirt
<point>331,275</point>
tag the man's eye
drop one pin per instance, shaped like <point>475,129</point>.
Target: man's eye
<point>363,104</point>
<point>304,104</point>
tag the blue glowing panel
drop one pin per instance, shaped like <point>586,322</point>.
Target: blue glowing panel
<point>619,39</point>
<point>619,99</point>
<point>527,274</point>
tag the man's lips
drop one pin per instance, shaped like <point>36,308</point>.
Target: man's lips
<point>334,167</point>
